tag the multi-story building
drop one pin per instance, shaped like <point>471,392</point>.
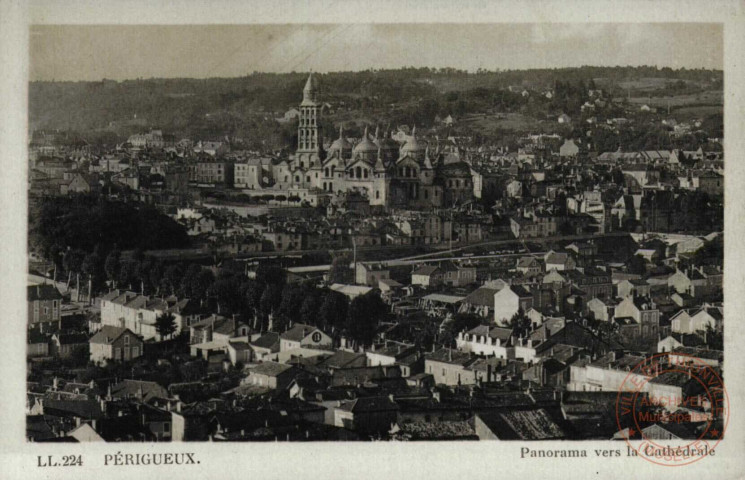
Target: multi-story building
<point>44,307</point>
<point>115,344</point>
<point>138,313</point>
<point>212,172</point>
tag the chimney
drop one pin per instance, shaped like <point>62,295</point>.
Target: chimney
<point>178,407</point>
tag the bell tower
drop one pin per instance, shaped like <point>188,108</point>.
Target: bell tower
<point>308,132</point>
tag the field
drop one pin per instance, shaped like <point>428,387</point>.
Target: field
<point>650,83</point>
<point>709,97</point>
<point>508,121</point>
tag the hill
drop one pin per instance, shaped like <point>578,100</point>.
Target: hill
<point>246,107</point>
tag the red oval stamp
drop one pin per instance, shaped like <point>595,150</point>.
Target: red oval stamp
<point>672,408</point>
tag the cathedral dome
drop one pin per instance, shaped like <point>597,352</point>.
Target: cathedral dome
<point>365,145</point>
<point>341,144</point>
<point>413,145</point>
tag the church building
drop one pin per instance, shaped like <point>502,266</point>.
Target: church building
<point>387,173</point>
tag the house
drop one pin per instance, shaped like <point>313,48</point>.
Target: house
<point>675,340</point>
<point>485,340</point>
<point>449,367</point>
<point>691,282</point>
<point>369,273</point>
<point>427,276</point>
<point>272,375</point>
<point>212,335</point>
<point>115,344</point>
<point>301,335</point>
<point>690,322</point>
<point>509,301</point>
<point>528,266</point>
<point>265,346</point>
<point>389,286</point>
<point>239,351</point>
<point>560,261</point>
<point>633,287</point>
<point>37,344</point>
<point>458,275</point>
<point>601,309</point>
<point>65,344</point>
<point>367,414</point>
<point>389,355</point>
<point>126,309</point>
<point>44,307</point>
<point>638,318</point>
<point>480,302</point>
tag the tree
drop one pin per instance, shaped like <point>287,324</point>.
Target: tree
<point>458,323</point>
<point>309,309</point>
<point>73,261</point>
<point>112,265</point>
<point>93,268</point>
<point>270,299</point>
<point>333,311</point>
<point>520,324</point>
<point>363,318</point>
<point>292,300</point>
<point>165,324</point>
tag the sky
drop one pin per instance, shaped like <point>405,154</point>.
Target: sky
<point>86,52</point>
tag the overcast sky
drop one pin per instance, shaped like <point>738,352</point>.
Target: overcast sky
<point>83,52</point>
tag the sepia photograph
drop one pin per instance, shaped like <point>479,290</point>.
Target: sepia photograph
<point>397,234</point>
<point>264,233</point>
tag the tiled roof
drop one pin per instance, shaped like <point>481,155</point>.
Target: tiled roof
<point>298,332</point>
<point>448,355</point>
<point>42,292</point>
<point>268,340</point>
<point>426,270</point>
<point>482,296</point>
<point>108,334</point>
<point>369,404</point>
<point>271,369</point>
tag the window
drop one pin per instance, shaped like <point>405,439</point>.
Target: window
<point>135,352</point>
<point>166,427</point>
<point>126,340</point>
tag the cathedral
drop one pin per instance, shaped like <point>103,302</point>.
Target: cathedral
<point>377,167</point>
